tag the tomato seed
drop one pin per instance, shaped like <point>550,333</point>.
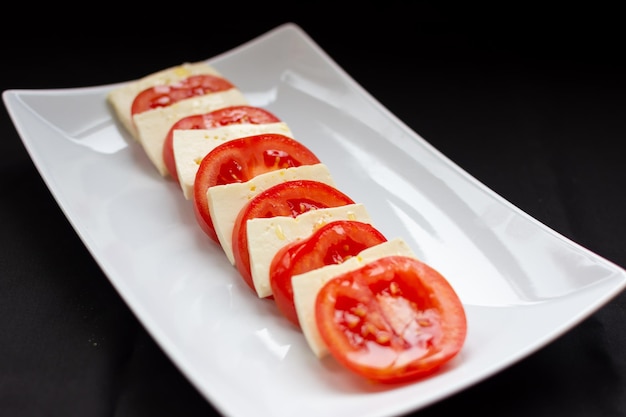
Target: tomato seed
<point>383,337</point>
<point>360,310</point>
<point>394,288</point>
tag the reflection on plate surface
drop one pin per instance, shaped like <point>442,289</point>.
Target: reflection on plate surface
<point>508,269</point>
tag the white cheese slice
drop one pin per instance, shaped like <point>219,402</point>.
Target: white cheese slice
<point>226,201</point>
<point>267,235</point>
<point>190,146</point>
<point>122,97</point>
<point>153,125</point>
<point>306,286</point>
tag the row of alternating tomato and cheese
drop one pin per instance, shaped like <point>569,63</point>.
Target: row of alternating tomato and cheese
<point>274,209</point>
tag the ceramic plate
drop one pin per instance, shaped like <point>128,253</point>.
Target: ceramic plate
<point>522,284</point>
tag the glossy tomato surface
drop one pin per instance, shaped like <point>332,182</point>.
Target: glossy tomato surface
<point>217,118</point>
<point>289,198</point>
<point>393,320</point>
<point>240,160</point>
<point>166,95</point>
<point>332,243</point>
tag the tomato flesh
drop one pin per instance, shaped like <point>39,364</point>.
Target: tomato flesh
<point>166,95</point>
<point>240,160</point>
<point>332,243</point>
<point>217,118</point>
<point>289,198</point>
<point>393,320</point>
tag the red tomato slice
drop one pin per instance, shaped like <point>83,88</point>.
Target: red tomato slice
<point>332,243</point>
<point>290,198</point>
<point>166,95</point>
<point>220,117</point>
<point>240,160</point>
<point>393,320</point>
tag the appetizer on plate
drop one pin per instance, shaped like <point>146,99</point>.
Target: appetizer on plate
<point>275,211</point>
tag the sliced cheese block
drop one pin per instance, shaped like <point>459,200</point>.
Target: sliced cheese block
<point>154,125</point>
<point>121,98</point>
<point>307,285</point>
<point>267,235</point>
<point>190,146</point>
<point>226,201</point>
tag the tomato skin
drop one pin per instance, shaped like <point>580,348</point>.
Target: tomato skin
<point>289,198</point>
<point>240,160</point>
<point>332,243</point>
<point>225,116</point>
<point>166,95</point>
<point>393,320</point>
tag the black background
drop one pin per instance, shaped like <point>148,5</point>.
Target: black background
<point>531,102</point>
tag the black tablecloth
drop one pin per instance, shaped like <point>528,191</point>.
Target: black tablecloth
<point>538,114</point>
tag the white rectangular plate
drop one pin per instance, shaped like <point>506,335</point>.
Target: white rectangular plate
<point>522,284</point>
